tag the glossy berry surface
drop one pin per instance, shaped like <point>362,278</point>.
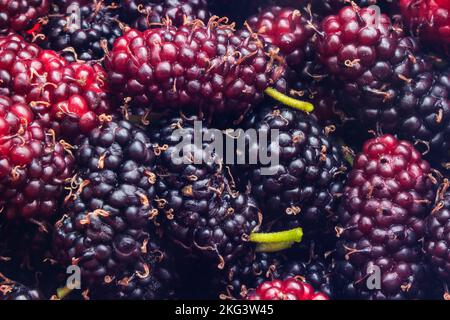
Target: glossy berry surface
<point>388,83</point>
<point>291,30</point>
<point>304,182</point>
<point>209,67</point>
<point>107,212</point>
<point>255,268</point>
<point>289,289</point>
<point>158,281</point>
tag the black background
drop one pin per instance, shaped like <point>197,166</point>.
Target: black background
<point>158,310</point>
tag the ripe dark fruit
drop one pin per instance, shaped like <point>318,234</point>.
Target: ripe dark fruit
<point>289,289</point>
<point>145,14</point>
<point>158,281</point>
<point>20,15</point>
<point>201,213</point>
<point>438,230</point>
<point>306,183</point>
<point>206,66</point>
<point>98,28</point>
<point>387,197</point>
<point>105,230</point>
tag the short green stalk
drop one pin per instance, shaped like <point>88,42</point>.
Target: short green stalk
<point>276,241</point>
<point>288,101</point>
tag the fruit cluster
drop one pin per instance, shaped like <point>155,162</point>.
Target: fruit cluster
<point>259,150</point>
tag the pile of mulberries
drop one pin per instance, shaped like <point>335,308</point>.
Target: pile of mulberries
<point>212,149</point>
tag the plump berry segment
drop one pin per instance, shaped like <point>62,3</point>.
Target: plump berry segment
<point>104,230</point>
<point>291,30</point>
<point>158,281</point>
<point>387,196</point>
<point>289,289</point>
<point>255,268</point>
<point>209,67</point>
<point>294,31</point>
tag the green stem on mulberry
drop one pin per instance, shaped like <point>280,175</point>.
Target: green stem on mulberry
<point>293,235</point>
<point>288,101</point>
<point>276,241</point>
